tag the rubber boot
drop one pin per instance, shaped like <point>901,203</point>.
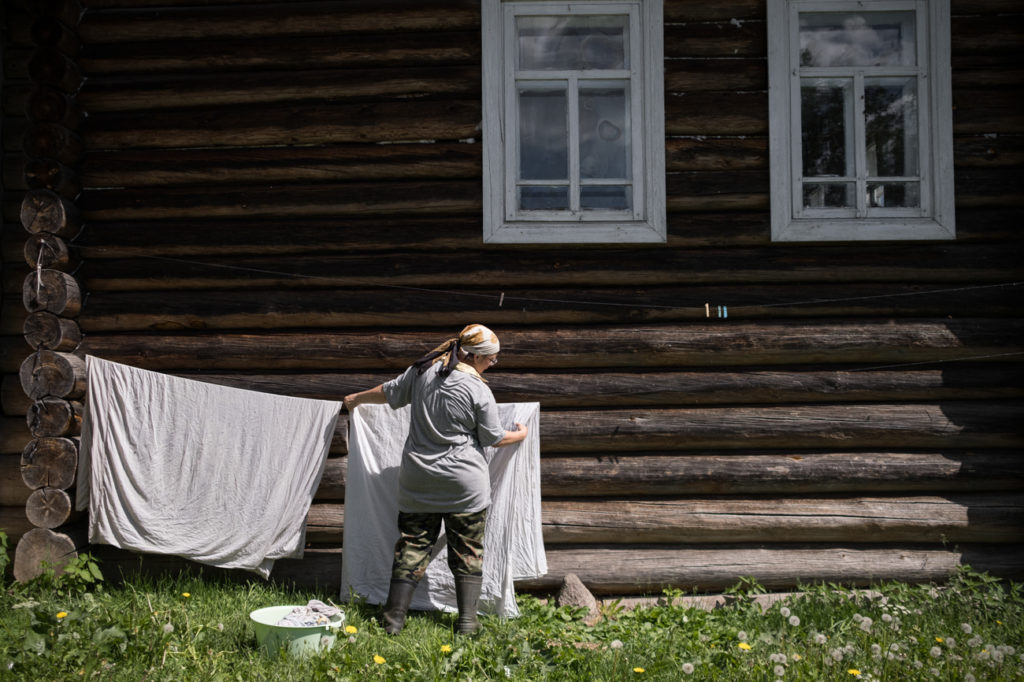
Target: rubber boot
<point>467,595</point>
<point>399,598</point>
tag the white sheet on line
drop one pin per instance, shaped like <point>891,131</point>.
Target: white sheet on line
<point>219,475</point>
<point>513,542</point>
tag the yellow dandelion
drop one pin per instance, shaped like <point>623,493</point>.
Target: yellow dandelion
<point>639,670</point>
<point>186,594</point>
<point>446,648</point>
<point>744,646</point>
<point>351,629</point>
<point>999,622</point>
<point>939,640</point>
<point>854,672</point>
<point>797,657</point>
<point>62,614</point>
<point>379,660</point>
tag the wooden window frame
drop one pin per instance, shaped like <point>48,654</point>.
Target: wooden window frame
<point>646,222</point>
<point>935,219</point>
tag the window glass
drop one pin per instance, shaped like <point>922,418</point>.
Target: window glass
<point>857,39</point>
<point>826,111</point>
<point>604,132</point>
<point>890,118</point>
<point>572,42</point>
<point>543,134</point>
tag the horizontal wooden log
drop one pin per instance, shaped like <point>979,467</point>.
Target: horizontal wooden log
<point>693,75</point>
<point>41,547</point>
<point>49,66</point>
<point>50,31</point>
<point>48,373</point>
<point>13,491</point>
<point>650,570</point>
<point>279,19</point>
<point>153,93</point>
<point>110,311</point>
<point>286,52</point>
<point>52,175</point>
<point>51,291</point>
<point>965,425</point>
<point>49,462</point>
<point>51,416</point>
<point>977,111</point>
<point>766,473</point>
<point>46,331</point>
<point>45,211</point>
<point>613,267</point>
<point>47,104</point>
<point>52,141</point>
<point>47,251</point>
<point>709,569</point>
<point>130,168</point>
<point>709,39</point>
<point>951,518</point>
<point>664,389</point>
<point>275,124</point>
<point>677,346</point>
<point>49,508</point>
<point>14,522</point>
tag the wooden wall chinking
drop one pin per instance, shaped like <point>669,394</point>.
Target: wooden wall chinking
<point>287,197</point>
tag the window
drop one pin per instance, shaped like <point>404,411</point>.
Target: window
<point>860,120</point>
<point>574,141</point>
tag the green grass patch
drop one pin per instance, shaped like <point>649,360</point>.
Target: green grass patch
<point>189,627</point>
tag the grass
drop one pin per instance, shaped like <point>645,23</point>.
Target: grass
<point>77,626</point>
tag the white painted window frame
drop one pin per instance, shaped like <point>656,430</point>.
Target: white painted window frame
<point>935,220</point>
<point>646,222</point>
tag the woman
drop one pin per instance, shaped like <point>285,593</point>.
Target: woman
<point>444,475</point>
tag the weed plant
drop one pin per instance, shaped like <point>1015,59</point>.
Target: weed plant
<point>188,627</point>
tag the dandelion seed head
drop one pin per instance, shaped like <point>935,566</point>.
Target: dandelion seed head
<point>741,635</point>
<point>688,668</point>
<point>935,652</point>
<point>887,617</point>
<point>836,654</point>
<point>168,628</point>
<point>820,638</point>
<point>966,627</point>
<point>779,671</point>
<point>785,612</point>
<point>616,644</point>
<point>794,620</point>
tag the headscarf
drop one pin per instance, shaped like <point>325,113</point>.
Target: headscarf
<point>475,339</point>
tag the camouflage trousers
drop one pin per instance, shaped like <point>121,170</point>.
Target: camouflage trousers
<point>418,533</point>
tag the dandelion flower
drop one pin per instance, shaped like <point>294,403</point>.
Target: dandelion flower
<point>969,678</point>
<point>966,627</point>
<point>785,612</point>
<point>351,629</point>
<point>854,672</point>
<point>688,668</point>
<point>186,595</point>
<point>794,620</point>
<point>220,627</point>
<point>446,648</point>
<point>62,614</point>
<point>616,644</point>
<point>939,640</point>
<point>639,670</point>
<point>168,628</point>
<point>741,635</point>
<point>779,671</point>
<point>935,652</point>
<point>797,657</point>
<point>744,646</point>
<point>820,638</point>
<point>379,660</point>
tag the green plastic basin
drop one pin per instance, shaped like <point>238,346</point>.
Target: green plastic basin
<point>298,641</point>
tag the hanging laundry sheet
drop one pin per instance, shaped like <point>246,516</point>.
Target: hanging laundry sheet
<point>218,475</point>
<point>513,542</point>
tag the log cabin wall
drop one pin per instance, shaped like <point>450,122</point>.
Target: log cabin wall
<point>287,197</point>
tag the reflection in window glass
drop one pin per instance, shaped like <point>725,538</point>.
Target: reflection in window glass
<point>543,135</point>
<point>829,195</point>
<point>534,198</point>
<point>857,39</point>
<point>604,137</point>
<point>605,197</point>
<point>894,194</point>
<point>825,109</point>
<point>890,118</point>
<point>572,42</point>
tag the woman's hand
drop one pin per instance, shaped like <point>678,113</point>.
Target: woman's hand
<point>512,437</point>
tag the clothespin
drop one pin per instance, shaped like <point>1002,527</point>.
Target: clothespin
<point>501,299</point>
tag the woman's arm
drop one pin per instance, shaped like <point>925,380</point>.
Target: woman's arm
<point>513,436</point>
<point>374,396</point>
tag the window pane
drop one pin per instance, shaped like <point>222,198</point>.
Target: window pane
<point>829,195</point>
<point>605,197</point>
<point>894,194</point>
<point>604,139</point>
<point>857,39</point>
<point>826,107</point>
<point>890,117</point>
<point>544,198</point>
<point>573,42</point>
<point>543,135</point>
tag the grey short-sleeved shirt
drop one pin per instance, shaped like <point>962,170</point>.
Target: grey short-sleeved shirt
<point>453,419</point>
